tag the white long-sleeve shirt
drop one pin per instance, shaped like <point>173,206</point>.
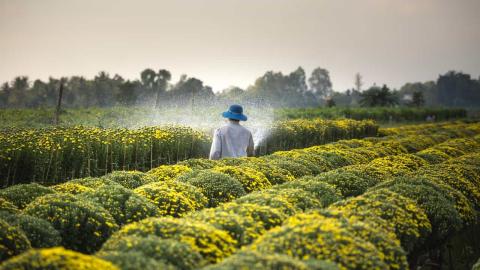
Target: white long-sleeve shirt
<point>231,140</point>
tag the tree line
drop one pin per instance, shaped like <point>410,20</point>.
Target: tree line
<point>296,89</point>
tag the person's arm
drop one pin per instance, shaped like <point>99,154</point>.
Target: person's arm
<point>251,147</point>
<point>216,149</point>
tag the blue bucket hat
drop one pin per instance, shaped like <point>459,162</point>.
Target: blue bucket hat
<point>235,112</point>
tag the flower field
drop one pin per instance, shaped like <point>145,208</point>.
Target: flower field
<point>406,200</point>
<point>55,154</point>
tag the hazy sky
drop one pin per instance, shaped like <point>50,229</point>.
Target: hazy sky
<point>232,42</point>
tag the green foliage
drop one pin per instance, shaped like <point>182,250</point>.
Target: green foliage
<point>300,133</point>
<point>410,222</point>
<point>124,205</point>
<point>55,259</point>
<point>83,226</point>
<point>54,154</point>
<point>134,260</point>
<point>323,192</point>
<point>6,206</point>
<point>380,114</point>
<point>71,188</point>
<point>256,260</point>
<point>23,194</point>
<point>348,181</point>
<point>129,179</point>
<point>241,228</point>
<point>199,163</point>
<point>168,172</point>
<point>167,251</point>
<point>265,216</point>
<point>384,240</point>
<point>433,156</point>
<point>294,168</point>
<point>269,199</point>
<point>213,244</point>
<point>306,239</point>
<point>173,198</point>
<point>94,183</point>
<point>250,179</point>
<point>287,200</point>
<point>39,232</point>
<point>217,187</point>
<point>12,241</point>
<point>435,201</point>
<point>274,174</point>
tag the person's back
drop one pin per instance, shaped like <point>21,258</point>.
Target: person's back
<point>232,140</point>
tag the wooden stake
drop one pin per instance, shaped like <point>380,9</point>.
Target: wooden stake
<point>59,105</point>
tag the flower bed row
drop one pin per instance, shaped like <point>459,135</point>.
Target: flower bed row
<point>210,235</point>
<point>53,155</point>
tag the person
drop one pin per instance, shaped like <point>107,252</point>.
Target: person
<point>232,140</point>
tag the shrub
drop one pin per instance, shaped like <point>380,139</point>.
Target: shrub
<point>71,188</point>
<point>217,187</point>
<point>323,192</point>
<point>310,167</point>
<point>390,147</point>
<point>256,260</point>
<point>436,202</point>
<point>464,207</point>
<point>39,232</point>
<point>133,261</point>
<point>232,161</point>
<point>124,205</point>
<point>433,156</point>
<point>294,168</point>
<point>299,198</point>
<point>449,150</point>
<point>199,163</point>
<point>169,252</point>
<point>347,183</point>
<point>410,222</point>
<point>456,176</point>
<point>265,216</point>
<point>55,259</point>
<point>213,244</point>
<point>270,199</point>
<point>173,198</point>
<point>94,183</point>
<point>250,179</point>
<point>354,143</point>
<point>12,241</point>
<point>343,157</point>
<point>369,175</point>
<point>241,228</point>
<point>84,226</point>
<point>130,179</point>
<point>399,164</point>
<point>274,174</point>
<point>168,172</point>
<point>383,239</point>
<point>22,194</point>
<point>320,162</point>
<point>414,143</point>
<point>6,206</point>
<point>305,239</point>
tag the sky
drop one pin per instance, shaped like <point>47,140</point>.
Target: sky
<point>232,42</point>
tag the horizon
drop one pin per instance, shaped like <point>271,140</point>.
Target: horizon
<point>232,43</point>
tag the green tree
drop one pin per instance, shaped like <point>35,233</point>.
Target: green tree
<point>417,99</point>
<point>376,96</point>
<point>320,83</point>
<point>163,77</point>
